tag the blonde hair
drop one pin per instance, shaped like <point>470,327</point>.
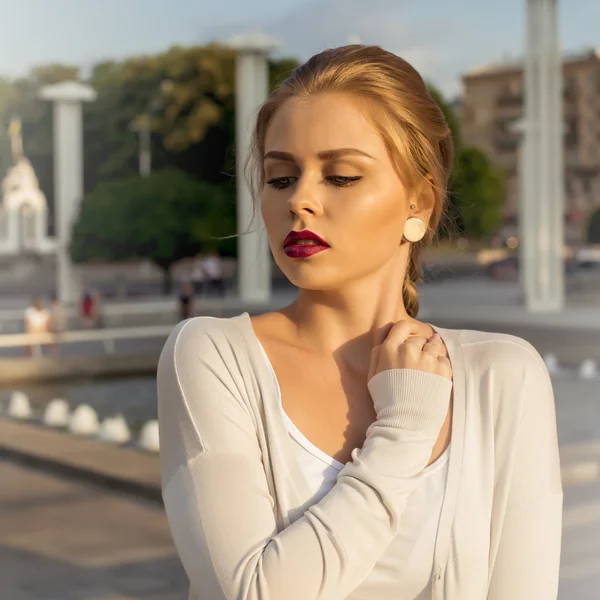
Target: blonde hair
<point>409,121</point>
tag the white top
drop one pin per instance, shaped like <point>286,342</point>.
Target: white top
<point>36,320</point>
<point>409,558</point>
<point>235,494</point>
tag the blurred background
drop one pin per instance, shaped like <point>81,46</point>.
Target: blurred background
<point>121,124</point>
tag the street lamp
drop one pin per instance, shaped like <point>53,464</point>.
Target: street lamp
<point>142,125</point>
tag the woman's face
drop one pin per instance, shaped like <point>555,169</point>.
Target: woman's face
<point>327,170</point>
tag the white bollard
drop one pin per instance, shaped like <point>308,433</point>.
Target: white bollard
<point>114,430</point>
<point>552,363</point>
<point>56,414</point>
<point>84,421</point>
<point>149,437</point>
<point>19,407</point>
<point>588,369</point>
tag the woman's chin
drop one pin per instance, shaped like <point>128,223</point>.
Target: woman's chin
<point>305,277</point>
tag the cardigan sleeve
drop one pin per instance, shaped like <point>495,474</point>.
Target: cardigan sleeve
<point>528,557</point>
<point>215,490</point>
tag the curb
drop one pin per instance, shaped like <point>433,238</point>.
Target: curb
<point>108,466</point>
<point>83,474</point>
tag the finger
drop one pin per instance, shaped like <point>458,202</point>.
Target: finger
<point>436,338</point>
<point>445,367</point>
<point>416,341</point>
<point>434,349</point>
<point>400,332</point>
<point>435,341</point>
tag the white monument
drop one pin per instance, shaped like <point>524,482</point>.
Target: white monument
<point>542,196</point>
<point>67,98</point>
<point>252,88</point>
<point>23,210</point>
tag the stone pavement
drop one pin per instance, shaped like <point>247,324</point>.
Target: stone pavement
<point>63,540</point>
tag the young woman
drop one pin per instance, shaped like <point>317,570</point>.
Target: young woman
<point>340,448</point>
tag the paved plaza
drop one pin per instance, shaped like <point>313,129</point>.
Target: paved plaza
<point>62,540</point>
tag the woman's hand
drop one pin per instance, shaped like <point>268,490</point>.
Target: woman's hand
<point>403,348</point>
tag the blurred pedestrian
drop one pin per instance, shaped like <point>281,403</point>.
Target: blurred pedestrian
<point>213,270</point>
<point>198,275</point>
<point>87,309</point>
<point>36,321</point>
<point>57,322</point>
<point>186,300</point>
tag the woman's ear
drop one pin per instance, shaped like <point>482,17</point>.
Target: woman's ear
<point>423,199</point>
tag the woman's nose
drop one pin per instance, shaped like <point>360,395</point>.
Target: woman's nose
<point>305,198</point>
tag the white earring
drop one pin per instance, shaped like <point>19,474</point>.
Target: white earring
<point>414,229</point>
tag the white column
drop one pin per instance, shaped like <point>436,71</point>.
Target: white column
<point>542,236</point>
<point>67,101</point>
<point>252,87</point>
<point>556,163</point>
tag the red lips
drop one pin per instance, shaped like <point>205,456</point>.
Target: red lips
<point>293,236</point>
<point>293,249</point>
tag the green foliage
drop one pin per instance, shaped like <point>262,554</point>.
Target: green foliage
<point>164,217</point>
<point>449,114</point>
<point>593,233</point>
<point>193,121</point>
<point>476,188</point>
<point>479,189</point>
<point>193,132</point>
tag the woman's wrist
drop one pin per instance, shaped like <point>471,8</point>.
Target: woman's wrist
<point>411,399</point>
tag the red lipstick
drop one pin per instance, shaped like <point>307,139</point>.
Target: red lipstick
<point>295,247</point>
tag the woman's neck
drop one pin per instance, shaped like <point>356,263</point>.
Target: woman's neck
<point>344,322</point>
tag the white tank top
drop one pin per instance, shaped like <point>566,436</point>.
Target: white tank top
<point>406,565</point>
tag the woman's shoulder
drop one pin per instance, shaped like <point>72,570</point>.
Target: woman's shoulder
<point>497,350</point>
<point>509,358</point>
<point>206,340</point>
<point>506,370</point>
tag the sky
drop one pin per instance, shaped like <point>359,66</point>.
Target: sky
<point>441,38</point>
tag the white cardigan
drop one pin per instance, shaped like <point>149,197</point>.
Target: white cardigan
<point>231,482</point>
<point>406,566</point>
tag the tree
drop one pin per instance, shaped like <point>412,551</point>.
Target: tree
<point>479,190</point>
<point>476,187</point>
<point>164,217</point>
<point>453,222</point>
<point>449,114</point>
<point>193,122</point>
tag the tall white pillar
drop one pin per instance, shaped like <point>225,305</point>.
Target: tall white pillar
<point>542,229</point>
<point>252,88</point>
<point>67,99</point>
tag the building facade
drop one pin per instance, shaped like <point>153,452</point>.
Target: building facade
<point>493,102</point>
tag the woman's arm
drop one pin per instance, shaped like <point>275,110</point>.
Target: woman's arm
<point>527,562</point>
<point>215,490</point>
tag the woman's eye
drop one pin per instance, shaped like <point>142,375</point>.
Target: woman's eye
<point>340,181</point>
<point>280,182</point>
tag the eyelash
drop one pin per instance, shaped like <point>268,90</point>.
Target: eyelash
<point>279,183</point>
